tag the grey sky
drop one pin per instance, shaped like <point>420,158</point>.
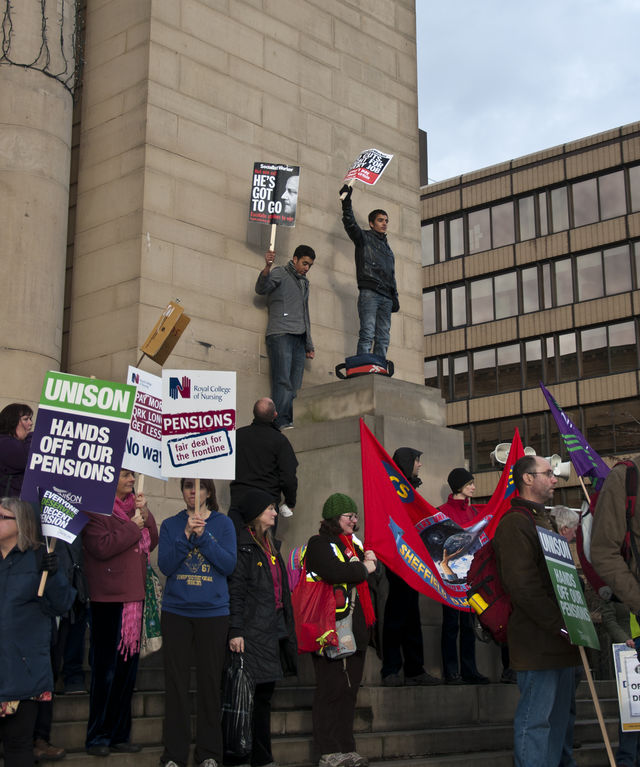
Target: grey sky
<point>498,79</point>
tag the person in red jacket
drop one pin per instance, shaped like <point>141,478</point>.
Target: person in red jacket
<point>116,549</point>
<point>460,510</point>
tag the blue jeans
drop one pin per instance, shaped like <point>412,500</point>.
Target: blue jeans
<point>542,716</point>
<point>287,355</point>
<point>374,311</point>
<point>628,752</point>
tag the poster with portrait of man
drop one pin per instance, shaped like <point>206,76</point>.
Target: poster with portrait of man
<point>274,194</point>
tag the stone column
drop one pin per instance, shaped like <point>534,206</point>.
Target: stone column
<point>37,69</point>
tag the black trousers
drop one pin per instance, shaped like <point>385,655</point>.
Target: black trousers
<point>402,632</point>
<point>261,745</point>
<point>16,734</point>
<point>186,641</point>
<point>334,702</point>
<point>453,619</point>
<point>112,678</point>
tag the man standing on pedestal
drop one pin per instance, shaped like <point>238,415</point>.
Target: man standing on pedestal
<point>375,271</point>
<point>539,646</point>
<point>289,328</point>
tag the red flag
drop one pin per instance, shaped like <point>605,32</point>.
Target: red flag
<point>409,535</point>
<point>391,509</point>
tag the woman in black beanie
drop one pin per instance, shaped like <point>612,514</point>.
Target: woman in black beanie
<point>261,618</point>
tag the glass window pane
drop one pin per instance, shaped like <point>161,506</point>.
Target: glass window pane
<point>428,249</point>
<point>481,301</point>
<point>460,377</point>
<point>564,283</point>
<point>626,418</point>
<point>485,438</point>
<point>527,218</point>
<point>506,292</point>
<point>585,202</point>
<point>594,352</point>
<point>567,358</point>
<point>623,347</point>
<point>484,372</point>
<point>535,436</point>
<point>456,237</point>
<point>549,346</point>
<point>479,231</point>
<point>542,209</point>
<point>598,421</point>
<point>431,373</point>
<point>458,306</point>
<point>429,312</point>
<point>546,286</point>
<point>612,198</point>
<point>589,269</point>
<point>509,368</point>
<point>442,251</point>
<point>617,270</point>
<point>530,294</point>
<point>446,393</point>
<point>634,183</point>
<point>533,363</point>
<point>444,317</point>
<point>502,224</point>
<point>559,209</point>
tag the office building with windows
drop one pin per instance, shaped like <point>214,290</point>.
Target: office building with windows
<point>531,272</point>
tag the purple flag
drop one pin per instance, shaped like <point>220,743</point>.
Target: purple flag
<point>584,458</point>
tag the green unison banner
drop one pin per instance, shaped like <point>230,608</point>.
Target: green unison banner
<point>568,590</point>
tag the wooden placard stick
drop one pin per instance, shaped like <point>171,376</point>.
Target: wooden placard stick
<point>350,182</point>
<point>272,237</point>
<point>51,544</point>
<point>596,703</point>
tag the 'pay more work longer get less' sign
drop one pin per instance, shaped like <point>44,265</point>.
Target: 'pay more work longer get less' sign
<point>198,424</point>
<point>78,442</point>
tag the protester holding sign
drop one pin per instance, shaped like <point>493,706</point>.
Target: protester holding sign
<point>197,552</point>
<point>539,645</point>
<point>375,271</point>
<point>16,421</point>
<point>116,549</point>
<point>289,328</point>
<point>25,627</point>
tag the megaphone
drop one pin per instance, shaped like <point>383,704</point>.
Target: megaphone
<point>561,469</point>
<point>529,451</point>
<point>501,452</point>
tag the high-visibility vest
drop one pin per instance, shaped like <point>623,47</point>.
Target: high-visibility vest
<point>340,611</point>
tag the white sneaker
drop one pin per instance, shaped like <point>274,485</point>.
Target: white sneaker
<point>356,760</point>
<point>335,760</point>
<point>285,511</point>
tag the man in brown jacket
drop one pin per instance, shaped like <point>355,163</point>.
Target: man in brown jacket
<point>539,648</point>
<point>607,536</point>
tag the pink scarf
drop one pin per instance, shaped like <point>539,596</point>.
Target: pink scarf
<point>131,625</point>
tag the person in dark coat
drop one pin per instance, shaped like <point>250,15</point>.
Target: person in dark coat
<point>336,556</point>
<point>16,421</point>
<point>26,675</point>
<point>402,633</point>
<point>265,460</point>
<point>116,551</point>
<point>261,617</point>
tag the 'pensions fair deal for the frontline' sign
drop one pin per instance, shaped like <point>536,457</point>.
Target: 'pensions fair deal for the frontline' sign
<point>198,424</point>
<point>78,442</point>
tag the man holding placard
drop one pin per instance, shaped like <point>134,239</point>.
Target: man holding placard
<point>289,328</point>
<point>539,646</point>
<point>375,271</point>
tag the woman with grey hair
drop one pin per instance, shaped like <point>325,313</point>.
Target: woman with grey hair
<point>25,627</point>
<point>566,521</point>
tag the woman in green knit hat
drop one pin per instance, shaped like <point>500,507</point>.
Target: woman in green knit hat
<point>337,556</point>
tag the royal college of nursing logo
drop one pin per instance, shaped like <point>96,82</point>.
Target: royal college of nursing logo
<point>176,387</point>
<point>403,489</point>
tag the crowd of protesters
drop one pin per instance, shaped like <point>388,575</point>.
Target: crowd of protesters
<point>228,594</point>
